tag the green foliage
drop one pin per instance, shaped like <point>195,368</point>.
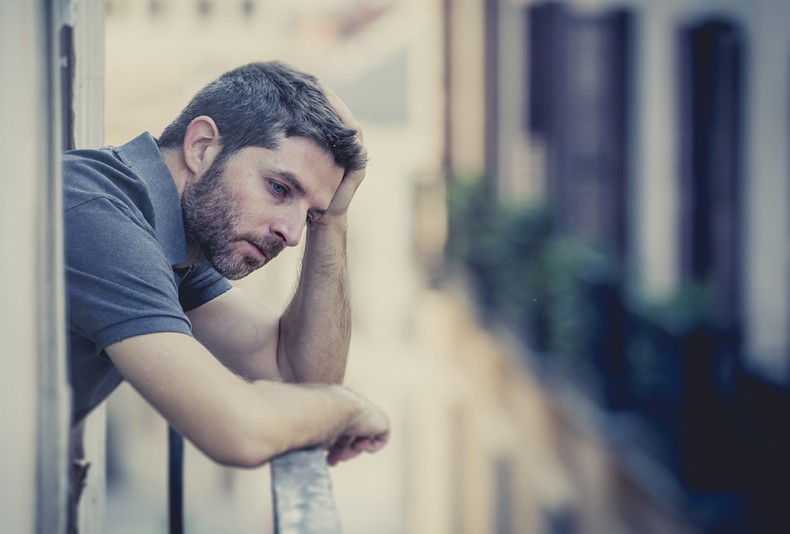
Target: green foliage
<point>656,348</point>
<point>522,271</point>
<point>564,296</point>
<point>689,308</point>
<point>498,245</point>
<point>572,267</point>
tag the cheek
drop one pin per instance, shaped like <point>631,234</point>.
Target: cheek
<point>247,200</point>
<point>253,210</point>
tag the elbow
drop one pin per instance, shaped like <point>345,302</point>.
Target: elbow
<point>238,455</point>
<point>240,452</point>
<point>240,460</point>
<point>238,442</point>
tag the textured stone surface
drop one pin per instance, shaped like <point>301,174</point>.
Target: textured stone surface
<point>302,492</point>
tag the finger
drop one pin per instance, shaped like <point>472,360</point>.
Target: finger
<point>337,104</point>
<point>366,444</point>
<point>341,454</point>
<point>336,449</point>
<point>342,111</point>
<point>377,443</point>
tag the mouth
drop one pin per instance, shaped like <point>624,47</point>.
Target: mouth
<point>258,253</point>
<point>263,251</point>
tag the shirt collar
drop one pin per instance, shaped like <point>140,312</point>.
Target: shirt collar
<point>142,156</point>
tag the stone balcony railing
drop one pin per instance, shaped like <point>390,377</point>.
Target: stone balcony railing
<point>301,491</point>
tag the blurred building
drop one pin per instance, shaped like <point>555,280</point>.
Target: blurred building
<point>618,185</point>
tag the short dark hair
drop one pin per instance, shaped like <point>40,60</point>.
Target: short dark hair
<point>257,104</point>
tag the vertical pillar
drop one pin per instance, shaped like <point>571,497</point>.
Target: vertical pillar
<point>654,197</point>
<point>34,402</point>
<point>54,401</point>
<point>87,105</point>
<point>766,252</point>
<point>21,50</point>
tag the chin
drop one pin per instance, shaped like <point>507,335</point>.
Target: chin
<point>232,271</point>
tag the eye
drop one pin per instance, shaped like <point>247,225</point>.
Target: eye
<point>278,189</point>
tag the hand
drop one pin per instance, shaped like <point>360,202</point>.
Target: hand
<point>353,178</point>
<point>367,432</point>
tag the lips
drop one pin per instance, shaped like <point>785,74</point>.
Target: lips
<point>268,250</point>
<point>258,252</point>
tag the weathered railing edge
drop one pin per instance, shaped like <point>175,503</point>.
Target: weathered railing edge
<point>302,494</point>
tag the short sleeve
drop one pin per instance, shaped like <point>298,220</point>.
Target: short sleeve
<point>120,282</point>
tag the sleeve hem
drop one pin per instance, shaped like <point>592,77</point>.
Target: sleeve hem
<point>141,326</point>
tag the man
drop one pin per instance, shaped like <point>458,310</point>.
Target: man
<point>156,227</point>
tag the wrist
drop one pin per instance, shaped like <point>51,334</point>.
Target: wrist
<point>334,228</point>
<point>352,402</point>
<point>330,221</point>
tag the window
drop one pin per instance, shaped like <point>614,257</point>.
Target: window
<point>711,56</point>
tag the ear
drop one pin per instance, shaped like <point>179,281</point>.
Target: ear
<point>201,144</point>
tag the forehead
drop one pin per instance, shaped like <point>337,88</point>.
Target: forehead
<point>300,159</point>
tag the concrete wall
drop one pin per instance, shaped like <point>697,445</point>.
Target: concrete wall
<point>33,398</point>
<point>20,25</point>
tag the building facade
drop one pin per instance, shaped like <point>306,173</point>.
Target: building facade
<point>641,145</point>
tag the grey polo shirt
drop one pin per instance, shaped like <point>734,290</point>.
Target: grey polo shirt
<point>124,234</point>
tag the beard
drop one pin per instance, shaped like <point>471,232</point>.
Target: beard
<point>210,219</point>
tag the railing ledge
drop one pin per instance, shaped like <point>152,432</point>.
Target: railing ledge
<point>302,494</point>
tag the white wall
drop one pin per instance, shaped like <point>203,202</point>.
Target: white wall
<point>767,192</point>
<point>33,405</point>
<point>19,21</point>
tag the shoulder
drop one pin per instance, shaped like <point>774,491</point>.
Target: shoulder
<point>99,173</point>
<point>87,165</point>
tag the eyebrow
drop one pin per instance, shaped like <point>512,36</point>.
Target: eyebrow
<point>294,182</point>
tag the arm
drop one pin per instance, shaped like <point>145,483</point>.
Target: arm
<point>310,341</point>
<point>238,423</point>
<point>315,330</point>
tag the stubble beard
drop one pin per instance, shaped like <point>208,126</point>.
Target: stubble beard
<point>209,223</point>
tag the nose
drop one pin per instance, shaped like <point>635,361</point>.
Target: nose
<point>289,228</point>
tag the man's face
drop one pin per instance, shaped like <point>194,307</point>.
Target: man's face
<point>240,217</point>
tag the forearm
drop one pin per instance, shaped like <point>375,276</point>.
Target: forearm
<point>259,421</point>
<point>305,415</point>
<point>236,422</point>
<point>289,417</point>
<point>315,329</point>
